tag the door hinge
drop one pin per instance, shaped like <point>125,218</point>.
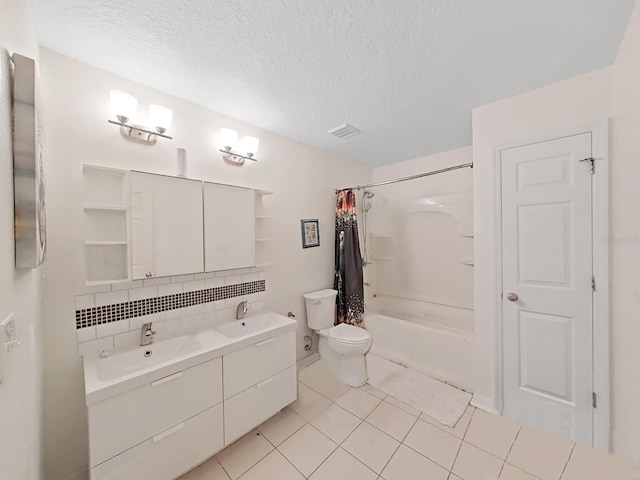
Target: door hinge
<point>592,161</point>
<point>594,399</point>
<point>593,283</point>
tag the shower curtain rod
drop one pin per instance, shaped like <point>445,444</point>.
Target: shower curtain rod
<point>420,175</point>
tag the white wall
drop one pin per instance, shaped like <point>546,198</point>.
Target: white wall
<point>569,104</point>
<point>20,290</point>
<point>611,92</point>
<point>625,243</point>
<point>77,108</point>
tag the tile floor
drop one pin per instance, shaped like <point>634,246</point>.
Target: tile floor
<point>334,432</point>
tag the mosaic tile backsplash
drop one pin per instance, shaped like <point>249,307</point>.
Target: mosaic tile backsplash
<point>89,317</point>
<point>109,317</point>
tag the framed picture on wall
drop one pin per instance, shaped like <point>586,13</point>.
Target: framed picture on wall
<point>28,180</point>
<point>310,233</point>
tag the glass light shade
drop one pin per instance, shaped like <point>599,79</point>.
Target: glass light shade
<point>250,145</point>
<point>228,138</point>
<point>123,105</point>
<point>160,117</point>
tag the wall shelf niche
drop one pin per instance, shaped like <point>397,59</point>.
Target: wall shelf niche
<point>105,224</point>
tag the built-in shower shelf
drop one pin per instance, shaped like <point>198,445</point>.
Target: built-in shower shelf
<point>382,258</point>
<point>467,235</point>
<point>263,239</point>
<point>262,217</point>
<point>105,242</point>
<point>467,261</point>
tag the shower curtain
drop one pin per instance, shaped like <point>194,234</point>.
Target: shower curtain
<point>348,273</point>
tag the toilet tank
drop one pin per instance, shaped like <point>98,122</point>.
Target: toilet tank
<point>321,308</point>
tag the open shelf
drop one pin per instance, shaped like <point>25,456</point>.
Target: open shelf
<point>262,217</point>
<point>467,261</point>
<point>264,239</point>
<point>105,222</point>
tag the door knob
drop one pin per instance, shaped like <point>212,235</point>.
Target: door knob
<point>512,297</point>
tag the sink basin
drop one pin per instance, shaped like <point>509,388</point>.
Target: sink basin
<point>130,362</point>
<point>253,325</point>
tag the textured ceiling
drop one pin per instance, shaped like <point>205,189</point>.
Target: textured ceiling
<point>406,72</point>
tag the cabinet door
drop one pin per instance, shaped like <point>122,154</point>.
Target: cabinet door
<point>229,227</point>
<point>166,226</point>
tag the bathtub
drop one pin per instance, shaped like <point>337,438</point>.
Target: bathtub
<point>425,345</point>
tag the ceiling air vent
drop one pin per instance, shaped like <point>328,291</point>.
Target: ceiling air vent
<point>344,131</point>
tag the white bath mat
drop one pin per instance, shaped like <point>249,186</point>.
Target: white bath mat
<point>437,399</point>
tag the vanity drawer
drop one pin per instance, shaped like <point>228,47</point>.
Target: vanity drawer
<point>170,453</point>
<point>253,406</point>
<point>119,423</point>
<point>252,364</point>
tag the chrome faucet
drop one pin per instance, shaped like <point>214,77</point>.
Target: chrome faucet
<point>146,334</point>
<point>241,310</point>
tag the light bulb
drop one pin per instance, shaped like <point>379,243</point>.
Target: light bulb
<point>161,117</point>
<point>250,145</point>
<point>123,105</point>
<point>228,138</point>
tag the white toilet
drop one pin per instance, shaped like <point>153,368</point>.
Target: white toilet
<point>342,347</point>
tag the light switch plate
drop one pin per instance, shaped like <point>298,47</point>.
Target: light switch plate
<point>7,341</point>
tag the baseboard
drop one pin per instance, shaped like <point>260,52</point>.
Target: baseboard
<point>308,360</point>
<point>484,403</point>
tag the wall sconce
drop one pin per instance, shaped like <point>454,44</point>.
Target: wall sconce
<point>228,140</point>
<point>124,107</point>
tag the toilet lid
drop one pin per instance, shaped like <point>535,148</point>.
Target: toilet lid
<point>349,334</point>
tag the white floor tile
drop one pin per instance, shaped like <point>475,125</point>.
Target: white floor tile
<point>371,446</point>
<point>318,377</point>
<point>309,403</point>
<point>277,429</point>
<point>475,464</point>
<point>458,430</point>
<point>358,402</point>
<point>373,391</point>
<point>336,423</point>
<point>244,454</point>
<point>433,443</point>
<point>407,464</point>
<point>540,454</point>
<point>341,464</point>
<point>509,472</point>
<point>589,464</point>
<point>492,433</point>
<point>307,449</point>
<point>391,420</point>
<point>273,466</point>
<point>209,470</point>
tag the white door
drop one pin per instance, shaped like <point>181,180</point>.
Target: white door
<point>547,286</point>
<point>229,227</point>
<point>166,226</point>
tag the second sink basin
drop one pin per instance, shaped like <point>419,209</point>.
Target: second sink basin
<point>253,325</point>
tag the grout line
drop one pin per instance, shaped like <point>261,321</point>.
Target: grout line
<point>515,439</point>
<point>573,447</point>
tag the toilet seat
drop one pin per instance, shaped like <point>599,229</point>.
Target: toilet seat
<point>348,334</point>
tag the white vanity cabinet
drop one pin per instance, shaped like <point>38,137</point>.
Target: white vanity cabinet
<point>259,380</point>
<point>158,430</point>
<point>229,227</point>
<point>166,226</point>
<point>167,426</point>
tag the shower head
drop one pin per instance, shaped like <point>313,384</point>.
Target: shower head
<point>368,194</point>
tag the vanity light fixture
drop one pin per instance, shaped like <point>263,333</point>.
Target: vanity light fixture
<point>124,106</point>
<point>228,140</point>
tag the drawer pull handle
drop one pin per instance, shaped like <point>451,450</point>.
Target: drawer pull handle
<point>166,433</point>
<point>264,342</point>
<point>265,382</point>
<point>166,379</point>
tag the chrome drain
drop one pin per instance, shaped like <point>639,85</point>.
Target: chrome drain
<point>147,353</point>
